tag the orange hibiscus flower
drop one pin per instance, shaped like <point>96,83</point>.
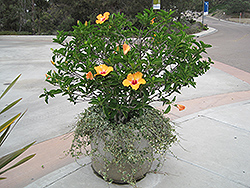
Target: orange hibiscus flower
<point>89,75</point>
<point>126,48</point>
<point>180,107</point>
<point>47,76</point>
<point>152,21</point>
<point>103,70</point>
<point>102,18</point>
<point>134,80</point>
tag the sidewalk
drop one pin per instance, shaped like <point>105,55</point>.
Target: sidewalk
<point>217,155</point>
<point>214,130</point>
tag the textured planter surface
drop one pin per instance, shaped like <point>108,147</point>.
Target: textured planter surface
<point>98,164</point>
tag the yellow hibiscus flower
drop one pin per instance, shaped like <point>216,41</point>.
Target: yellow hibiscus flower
<point>103,70</point>
<point>134,80</point>
<point>102,18</point>
<point>126,48</point>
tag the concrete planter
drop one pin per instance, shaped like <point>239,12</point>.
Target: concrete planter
<point>105,160</point>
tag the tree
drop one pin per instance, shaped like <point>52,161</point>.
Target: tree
<point>43,16</point>
<point>39,8</point>
<point>84,10</point>
<point>9,18</point>
<point>237,6</point>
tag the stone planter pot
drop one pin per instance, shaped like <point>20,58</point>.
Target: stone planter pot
<point>114,172</point>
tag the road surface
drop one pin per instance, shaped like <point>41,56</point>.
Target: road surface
<point>231,44</point>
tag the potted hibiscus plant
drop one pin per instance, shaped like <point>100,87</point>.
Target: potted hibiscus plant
<point>121,69</point>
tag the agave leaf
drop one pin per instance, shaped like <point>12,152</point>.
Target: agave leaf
<point>1,142</point>
<point>3,136</point>
<point>11,156</point>
<point>10,105</point>
<point>20,117</point>
<point>9,122</point>
<point>19,163</point>
<point>10,86</point>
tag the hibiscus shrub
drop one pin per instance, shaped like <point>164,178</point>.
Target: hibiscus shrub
<point>122,68</point>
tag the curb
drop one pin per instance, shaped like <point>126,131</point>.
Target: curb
<point>59,174</point>
<point>231,22</point>
<point>210,31</point>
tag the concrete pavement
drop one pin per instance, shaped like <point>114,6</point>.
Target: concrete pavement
<point>214,127</point>
<point>216,154</point>
<point>30,56</point>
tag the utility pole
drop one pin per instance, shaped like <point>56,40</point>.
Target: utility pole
<point>203,2</point>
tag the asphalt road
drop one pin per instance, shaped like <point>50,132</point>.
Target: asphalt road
<point>231,44</point>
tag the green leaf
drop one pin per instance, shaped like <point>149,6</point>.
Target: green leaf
<point>19,163</point>
<point>57,91</point>
<point>94,101</point>
<point>113,113</point>
<point>3,136</point>
<point>9,122</point>
<point>113,103</point>
<point>10,86</point>
<point>173,100</point>
<point>157,62</point>
<point>10,105</point>
<point>2,141</point>
<point>10,157</point>
<point>168,109</point>
<point>140,112</point>
<point>106,111</point>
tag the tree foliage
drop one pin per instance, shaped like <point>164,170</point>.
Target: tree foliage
<point>231,6</point>
<point>9,15</point>
<point>237,6</point>
<point>47,16</point>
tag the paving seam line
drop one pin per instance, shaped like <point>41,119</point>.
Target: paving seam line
<point>185,120</point>
<point>64,176</point>
<point>208,170</point>
<point>230,125</point>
